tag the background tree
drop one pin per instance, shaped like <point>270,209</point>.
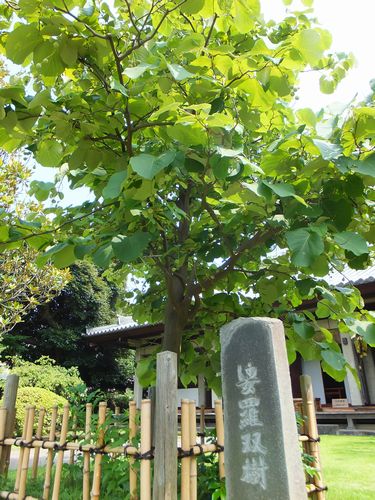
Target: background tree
<point>23,285</point>
<point>55,329</point>
<point>178,115</point>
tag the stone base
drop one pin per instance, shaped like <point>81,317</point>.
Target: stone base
<point>331,429</point>
<point>356,432</point>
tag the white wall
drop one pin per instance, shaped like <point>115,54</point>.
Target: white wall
<point>313,369</point>
<point>191,394</point>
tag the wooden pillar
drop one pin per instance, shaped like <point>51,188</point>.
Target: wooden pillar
<point>138,389</point>
<point>10,396</point>
<point>165,466</point>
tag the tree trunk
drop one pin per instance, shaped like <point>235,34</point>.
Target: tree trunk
<point>176,315</point>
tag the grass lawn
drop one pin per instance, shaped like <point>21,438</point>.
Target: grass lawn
<point>349,467</point>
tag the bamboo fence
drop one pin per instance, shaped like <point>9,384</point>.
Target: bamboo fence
<point>66,440</point>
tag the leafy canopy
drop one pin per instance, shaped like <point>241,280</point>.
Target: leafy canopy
<point>178,116</point>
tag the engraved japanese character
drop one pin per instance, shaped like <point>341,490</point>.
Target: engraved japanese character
<point>251,443</point>
<point>247,379</point>
<point>254,472</point>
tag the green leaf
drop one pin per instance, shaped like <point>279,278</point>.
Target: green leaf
<point>148,166</point>
<point>4,233</point>
<point>353,242</point>
<point>49,153</point>
<point>192,6</point>
<point>304,330</point>
<point>137,71</point>
<point>129,248</point>
<point>116,85</point>
<point>367,166</point>
<point>102,256</point>
<point>305,246</point>
<point>328,150</point>
<point>334,359</point>
<point>22,41</point>
<point>114,186</point>
<point>281,189</point>
<point>178,72</point>
<point>68,53</point>
<point>365,329</point>
<point>62,255</point>
<point>40,189</point>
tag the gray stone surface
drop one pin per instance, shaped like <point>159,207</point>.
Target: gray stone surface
<point>262,454</point>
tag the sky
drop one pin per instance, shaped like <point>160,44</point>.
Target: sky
<point>352,27</point>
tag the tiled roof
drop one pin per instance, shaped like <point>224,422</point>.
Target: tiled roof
<point>352,276</point>
<point>125,323</point>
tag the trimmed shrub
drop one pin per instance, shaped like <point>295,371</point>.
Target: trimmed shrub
<point>40,398</point>
<point>46,374</point>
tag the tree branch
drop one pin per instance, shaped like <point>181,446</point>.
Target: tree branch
<point>228,265</point>
<point>151,35</point>
<point>54,230</point>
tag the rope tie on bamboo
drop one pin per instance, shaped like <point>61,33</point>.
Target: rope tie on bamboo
<point>99,449</point>
<point>44,441</point>
<point>184,453</point>
<point>219,448</point>
<point>147,455</point>
<point>313,440</point>
<point>60,447</point>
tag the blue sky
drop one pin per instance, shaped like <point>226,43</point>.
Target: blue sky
<point>352,27</point>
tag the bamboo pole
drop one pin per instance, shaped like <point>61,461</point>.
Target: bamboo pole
<point>193,442</point>
<point>220,434</point>
<point>202,424</point>
<point>125,449</point>
<point>38,435</point>
<point>86,455</point>
<point>10,397</point>
<point>95,492</point>
<point>132,434</point>
<point>3,419</point>
<point>117,411</point>
<point>145,489</point>
<point>185,446</point>
<point>74,429</point>
<point>49,463</point>
<point>312,431</point>
<point>26,454</point>
<point>22,450</point>
<point>60,454</point>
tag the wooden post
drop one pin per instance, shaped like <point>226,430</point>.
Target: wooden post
<point>21,452</point>
<point>117,411</point>
<point>38,435</point>
<point>165,464</point>
<point>60,454</point>
<point>132,434</point>
<point>3,419</point>
<point>49,463</point>
<point>86,455</point>
<point>95,492</point>
<point>312,431</point>
<point>193,442</point>
<point>185,446</point>
<point>10,396</point>
<point>220,435</point>
<point>145,447</point>
<point>26,454</point>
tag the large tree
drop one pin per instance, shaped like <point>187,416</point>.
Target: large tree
<point>23,284</point>
<point>179,117</point>
<point>56,328</point>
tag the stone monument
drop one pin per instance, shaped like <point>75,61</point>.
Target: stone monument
<point>262,453</point>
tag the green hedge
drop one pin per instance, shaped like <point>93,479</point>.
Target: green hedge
<point>40,398</point>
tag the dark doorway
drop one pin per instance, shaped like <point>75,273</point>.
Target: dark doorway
<point>333,389</point>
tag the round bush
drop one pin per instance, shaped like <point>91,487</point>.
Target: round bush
<point>40,398</point>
